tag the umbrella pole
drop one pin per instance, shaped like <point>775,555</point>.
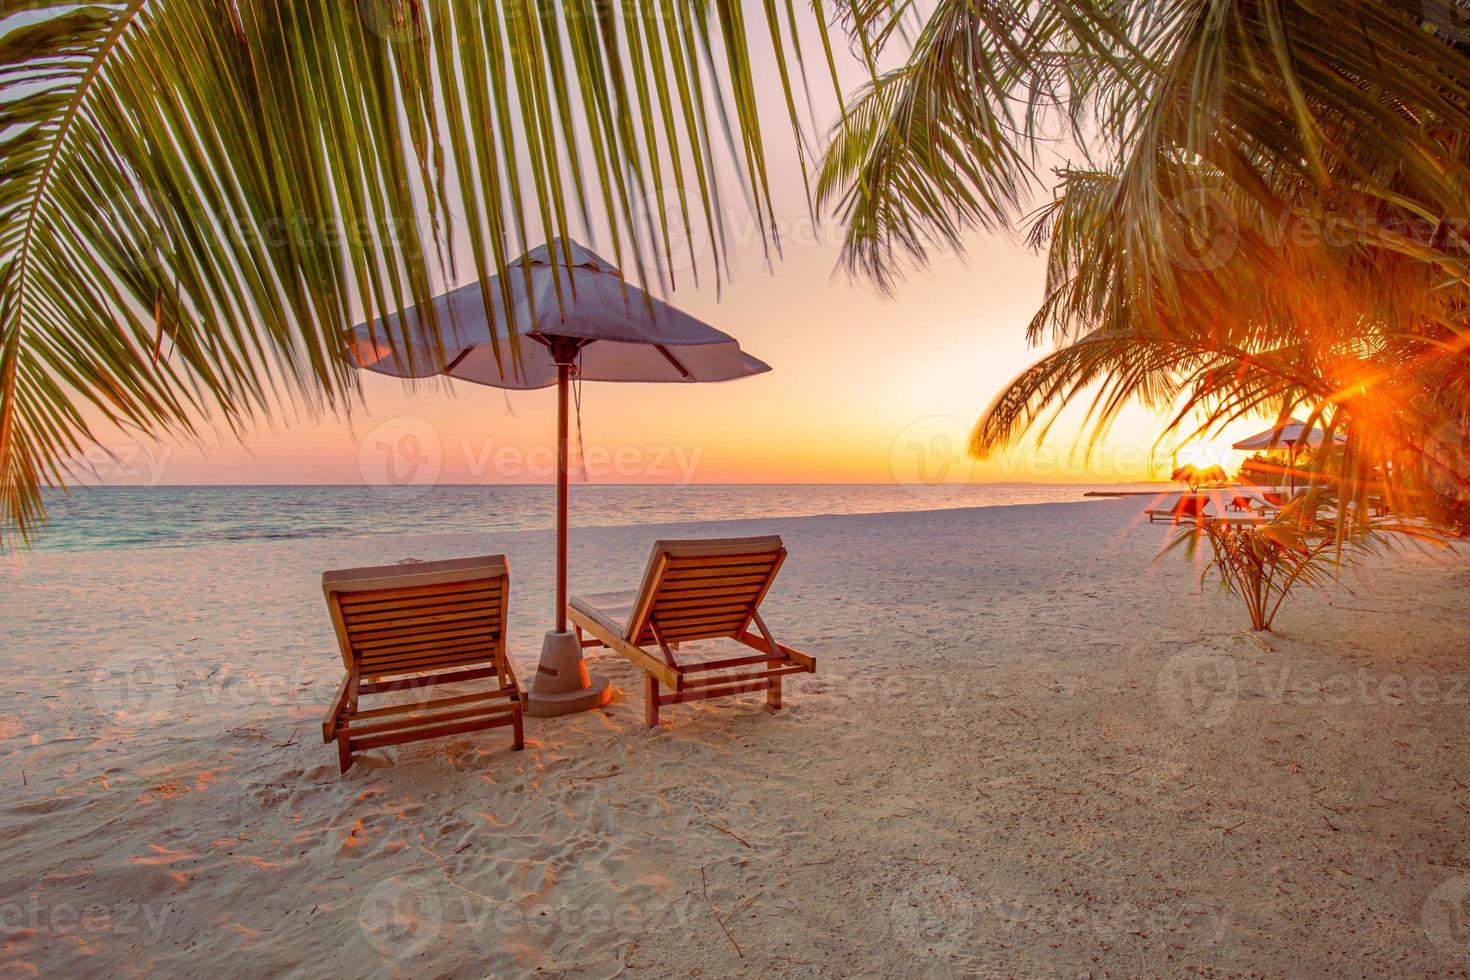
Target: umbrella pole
<point>563,382</point>
<point>563,683</point>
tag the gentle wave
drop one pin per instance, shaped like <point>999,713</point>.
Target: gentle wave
<point>162,517</point>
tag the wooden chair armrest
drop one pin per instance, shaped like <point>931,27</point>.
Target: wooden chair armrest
<point>796,656</point>
<point>641,658</point>
<point>510,671</point>
<point>334,711</point>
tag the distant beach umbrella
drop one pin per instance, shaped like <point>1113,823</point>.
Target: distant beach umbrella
<point>1288,436</point>
<point>586,324</point>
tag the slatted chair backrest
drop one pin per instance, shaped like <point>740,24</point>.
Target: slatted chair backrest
<point>700,589</point>
<point>426,616</point>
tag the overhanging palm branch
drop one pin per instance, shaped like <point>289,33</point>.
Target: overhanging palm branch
<point>197,197</point>
<point>1266,92</point>
<point>1215,134</point>
<point>930,148</point>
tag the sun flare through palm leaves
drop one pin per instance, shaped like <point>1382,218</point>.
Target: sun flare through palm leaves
<point>1270,218</point>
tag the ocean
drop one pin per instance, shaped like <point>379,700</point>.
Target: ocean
<point>172,517</point>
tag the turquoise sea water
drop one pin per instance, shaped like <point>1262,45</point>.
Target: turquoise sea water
<point>146,517</point>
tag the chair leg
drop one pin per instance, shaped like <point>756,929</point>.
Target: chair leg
<point>344,754</point>
<point>773,694</point>
<point>650,700</point>
<point>518,742</point>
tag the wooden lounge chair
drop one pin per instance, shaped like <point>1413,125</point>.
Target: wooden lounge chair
<point>695,590</point>
<point>1187,507</point>
<point>410,627</point>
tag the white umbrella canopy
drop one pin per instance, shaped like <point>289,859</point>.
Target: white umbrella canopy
<point>585,323</point>
<point>621,333</point>
<point>1290,435</point>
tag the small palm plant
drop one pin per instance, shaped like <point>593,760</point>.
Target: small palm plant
<point>1195,477</point>
<point>1187,475</point>
<point>1262,563</point>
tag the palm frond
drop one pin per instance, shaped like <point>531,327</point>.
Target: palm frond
<point>1268,232</point>
<point>200,196</point>
<point>937,146</point>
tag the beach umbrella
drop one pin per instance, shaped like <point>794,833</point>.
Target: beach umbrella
<point>587,324</point>
<point>1290,435</point>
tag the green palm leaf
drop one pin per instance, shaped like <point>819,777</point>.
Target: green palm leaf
<point>200,196</point>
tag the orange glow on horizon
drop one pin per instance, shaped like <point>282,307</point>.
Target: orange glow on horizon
<point>864,389</point>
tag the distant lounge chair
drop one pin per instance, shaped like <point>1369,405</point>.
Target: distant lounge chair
<point>1190,506</point>
<point>695,590</point>
<point>406,627</point>
<point>1270,502</point>
<point>1240,502</point>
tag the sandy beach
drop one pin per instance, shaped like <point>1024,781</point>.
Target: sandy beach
<point>1030,748</point>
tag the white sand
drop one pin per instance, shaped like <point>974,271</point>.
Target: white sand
<point>1029,748</point>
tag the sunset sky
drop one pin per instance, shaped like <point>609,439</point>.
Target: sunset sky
<point>865,388</point>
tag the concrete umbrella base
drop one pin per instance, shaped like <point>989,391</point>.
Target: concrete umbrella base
<point>563,685</point>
